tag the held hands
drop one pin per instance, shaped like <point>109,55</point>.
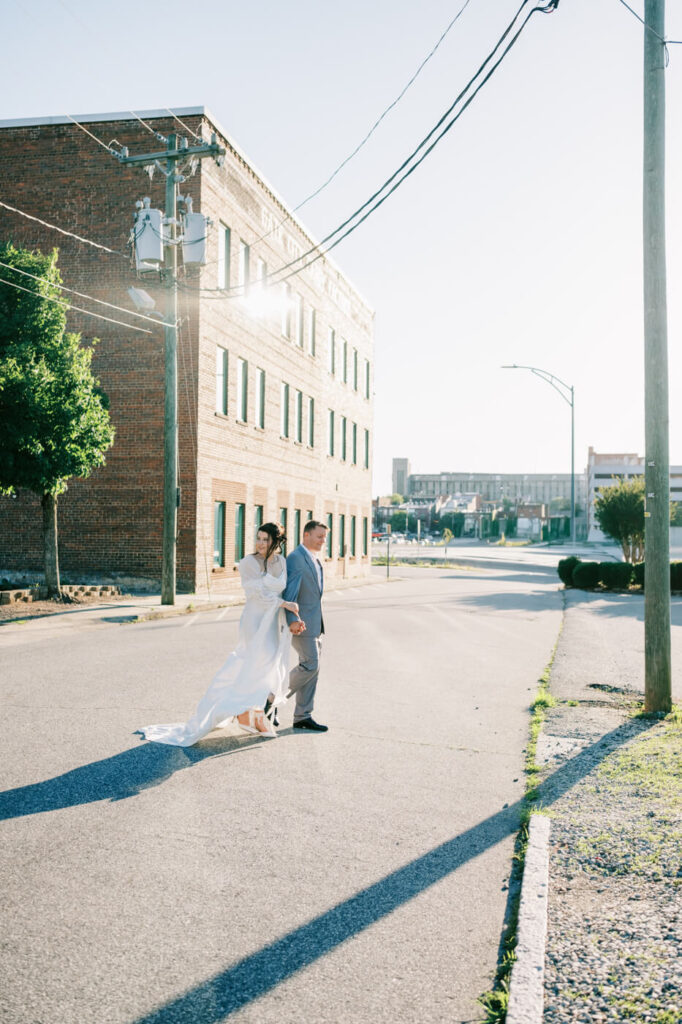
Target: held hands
<point>294,627</point>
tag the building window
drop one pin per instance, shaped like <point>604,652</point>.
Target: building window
<point>312,328</point>
<point>364,535</point>
<point>221,380</point>
<point>366,378</point>
<point>344,362</point>
<point>257,520</point>
<point>298,412</point>
<point>343,438</point>
<point>297,526</point>
<point>219,533</point>
<point>283,516</point>
<point>260,399</point>
<point>223,256</point>
<point>244,266</point>
<point>366,449</point>
<point>284,402</point>
<point>355,369</point>
<point>285,298</point>
<point>342,535</point>
<point>330,534</point>
<point>298,320</point>
<point>239,517</point>
<point>352,535</point>
<point>242,390</point>
<point>354,445</point>
<point>330,433</point>
<point>311,422</point>
<point>332,351</point>
<point>261,273</point>
<point>309,515</point>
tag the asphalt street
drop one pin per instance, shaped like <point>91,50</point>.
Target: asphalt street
<point>355,876</point>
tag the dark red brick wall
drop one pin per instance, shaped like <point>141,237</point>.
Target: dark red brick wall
<point>112,521</point>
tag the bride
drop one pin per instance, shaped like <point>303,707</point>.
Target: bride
<point>259,665</point>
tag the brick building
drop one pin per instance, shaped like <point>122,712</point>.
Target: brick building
<point>274,383</point>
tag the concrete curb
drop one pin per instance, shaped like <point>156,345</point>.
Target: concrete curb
<point>526,992</point>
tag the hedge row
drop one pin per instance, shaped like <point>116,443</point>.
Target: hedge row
<point>610,575</point>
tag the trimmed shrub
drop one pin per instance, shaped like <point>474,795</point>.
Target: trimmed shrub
<point>676,575</point>
<point>586,575</point>
<point>638,574</point>
<point>565,569</point>
<point>615,575</point>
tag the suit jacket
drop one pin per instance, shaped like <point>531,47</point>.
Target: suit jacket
<point>304,588</point>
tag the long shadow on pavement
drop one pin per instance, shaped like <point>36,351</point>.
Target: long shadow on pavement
<point>115,778</point>
<point>227,992</point>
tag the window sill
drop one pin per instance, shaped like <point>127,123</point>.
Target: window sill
<point>221,415</point>
<point>242,423</point>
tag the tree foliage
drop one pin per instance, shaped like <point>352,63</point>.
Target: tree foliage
<point>54,422</point>
<point>619,511</point>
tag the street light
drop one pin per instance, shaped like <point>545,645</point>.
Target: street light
<point>564,390</point>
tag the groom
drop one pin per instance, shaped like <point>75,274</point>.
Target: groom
<point>305,583</point>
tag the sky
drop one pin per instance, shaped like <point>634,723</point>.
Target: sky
<point>517,240</point>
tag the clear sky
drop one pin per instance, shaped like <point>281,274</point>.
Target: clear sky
<point>518,239</point>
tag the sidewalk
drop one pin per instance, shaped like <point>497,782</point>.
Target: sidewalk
<point>612,788</point>
<point>129,608</point>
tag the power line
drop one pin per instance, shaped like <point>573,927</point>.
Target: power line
<point>666,42</point>
<point>90,298</point>
<point>410,164</point>
<point>68,305</point>
<point>369,134</point>
<point>69,234</point>
<point>183,125</point>
<point>548,8</point>
<point>108,148</point>
<point>157,135</point>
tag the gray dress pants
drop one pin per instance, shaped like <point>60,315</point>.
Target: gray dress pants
<point>303,678</point>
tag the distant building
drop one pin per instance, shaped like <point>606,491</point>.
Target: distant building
<point>606,469</point>
<point>514,487</point>
<point>401,476</point>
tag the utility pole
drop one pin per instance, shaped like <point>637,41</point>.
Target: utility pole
<point>176,149</point>
<point>657,666</point>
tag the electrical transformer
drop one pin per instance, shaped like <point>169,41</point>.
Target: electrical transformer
<point>194,238</point>
<point>149,236</point>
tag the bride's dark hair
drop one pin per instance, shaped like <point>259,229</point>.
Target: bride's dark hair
<point>277,538</point>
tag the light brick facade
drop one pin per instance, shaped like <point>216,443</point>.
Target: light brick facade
<point>111,523</point>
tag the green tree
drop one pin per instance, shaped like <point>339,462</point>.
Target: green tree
<point>401,522</point>
<point>397,499</point>
<point>619,511</point>
<point>54,422</point>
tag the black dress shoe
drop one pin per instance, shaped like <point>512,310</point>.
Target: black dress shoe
<point>266,708</point>
<point>310,723</point>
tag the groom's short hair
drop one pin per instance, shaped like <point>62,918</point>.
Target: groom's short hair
<point>313,524</point>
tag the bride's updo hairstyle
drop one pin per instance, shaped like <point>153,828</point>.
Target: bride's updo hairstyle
<point>277,538</point>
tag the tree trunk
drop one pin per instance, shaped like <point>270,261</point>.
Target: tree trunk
<point>50,554</point>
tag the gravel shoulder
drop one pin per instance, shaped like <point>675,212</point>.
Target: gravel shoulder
<point>613,789</point>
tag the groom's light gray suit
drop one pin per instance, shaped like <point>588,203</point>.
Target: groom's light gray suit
<point>305,587</point>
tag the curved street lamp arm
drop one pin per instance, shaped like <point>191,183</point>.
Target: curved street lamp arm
<point>556,382</point>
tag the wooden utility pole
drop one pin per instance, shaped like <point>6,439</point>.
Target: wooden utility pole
<point>657,667</point>
<point>176,150</point>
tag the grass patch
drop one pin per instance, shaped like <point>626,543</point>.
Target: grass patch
<point>496,1001</point>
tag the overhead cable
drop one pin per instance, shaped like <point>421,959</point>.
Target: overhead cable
<point>69,234</point>
<point>60,302</point>
<point>369,134</point>
<point>416,157</point>
<point>81,295</point>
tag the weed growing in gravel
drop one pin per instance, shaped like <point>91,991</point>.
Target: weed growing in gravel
<point>496,1001</point>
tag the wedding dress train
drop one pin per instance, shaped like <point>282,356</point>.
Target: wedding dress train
<point>258,665</point>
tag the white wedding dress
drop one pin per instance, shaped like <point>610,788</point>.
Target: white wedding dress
<point>259,664</point>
